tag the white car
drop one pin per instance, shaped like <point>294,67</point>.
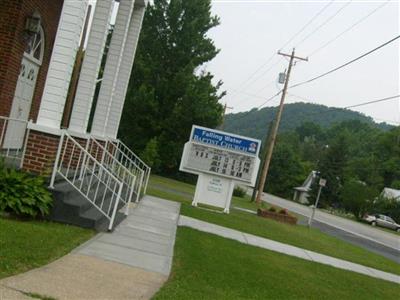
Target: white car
<point>383,221</point>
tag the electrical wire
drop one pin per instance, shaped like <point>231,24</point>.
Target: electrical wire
<point>324,23</point>
<point>249,94</point>
<point>331,109</point>
<point>284,45</point>
<point>308,23</point>
<point>346,64</point>
<point>374,101</point>
<point>349,28</point>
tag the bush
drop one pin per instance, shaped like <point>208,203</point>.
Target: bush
<point>272,209</point>
<point>283,212</point>
<point>23,194</point>
<point>239,192</point>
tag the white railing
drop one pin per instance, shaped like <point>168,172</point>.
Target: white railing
<point>13,138</point>
<point>108,160</point>
<point>86,174</point>
<point>131,161</point>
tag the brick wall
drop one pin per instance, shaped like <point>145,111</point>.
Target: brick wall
<point>40,153</point>
<point>13,40</point>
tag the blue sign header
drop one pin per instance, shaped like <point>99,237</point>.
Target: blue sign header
<point>225,140</point>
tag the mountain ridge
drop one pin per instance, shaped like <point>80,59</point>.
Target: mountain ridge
<point>254,123</point>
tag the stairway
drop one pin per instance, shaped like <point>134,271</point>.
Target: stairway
<point>90,185</point>
<point>70,207</point>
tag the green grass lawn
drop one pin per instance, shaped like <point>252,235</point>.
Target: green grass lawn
<point>210,267</point>
<point>25,245</point>
<point>300,236</point>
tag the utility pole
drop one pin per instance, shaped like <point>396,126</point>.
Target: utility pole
<point>226,107</point>
<point>263,155</point>
<point>275,126</point>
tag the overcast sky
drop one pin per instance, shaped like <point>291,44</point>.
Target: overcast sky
<point>252,31</point>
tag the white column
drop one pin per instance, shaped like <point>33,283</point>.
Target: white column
<point>61,63</point>
<point>114,60</point>
<point>90,66</point>
<point>124,74</point>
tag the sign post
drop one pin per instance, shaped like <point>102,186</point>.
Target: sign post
<point>322,183</point>
<point>220,159</point>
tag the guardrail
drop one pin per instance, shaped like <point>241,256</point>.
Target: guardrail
<point>108,160</point>
<point>14,135</point>
<point>131,161</point>
<point>88,176</point>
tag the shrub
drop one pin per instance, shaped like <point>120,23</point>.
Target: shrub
<point>283,212</point>
<point>272,209</point>
<point>23,194</point>
<point>239,192</point>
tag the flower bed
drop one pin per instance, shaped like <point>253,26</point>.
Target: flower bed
<point>281,216</point>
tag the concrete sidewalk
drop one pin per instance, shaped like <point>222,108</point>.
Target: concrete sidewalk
<point>132,262</point>
<point>264,243</point>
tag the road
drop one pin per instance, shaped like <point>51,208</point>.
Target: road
<point>363,231</point>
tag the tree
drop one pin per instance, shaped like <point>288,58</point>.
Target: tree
<point>150,154</point>
<point>168,92</point>
<point>332,166</point>
<point>286,171</point>
<point>357,197</point>
<point>388,155</point>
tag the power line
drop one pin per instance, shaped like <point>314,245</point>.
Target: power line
<point>269,99</point>
<point>346,64</point>
<point>261,105</point>
<point>374,101</point>
<point>266,71</point>
<point>284,45</point>
<point>324,23</point>
<point>308,23</point>
<point>350,28</point>
<point>331,109</point>
<point>257,70</point>
<point>249,94</point>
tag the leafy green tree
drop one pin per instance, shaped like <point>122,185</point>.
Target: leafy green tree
<point>388,155</point>
<point>150,154</point>
<point>332,166</point>
<point>286,171</point>
<point>357,197</point>
<point>168,92</point>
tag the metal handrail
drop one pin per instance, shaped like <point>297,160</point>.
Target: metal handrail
<point>88,176</point>
<point>131,160</point>
<point>108,160</point>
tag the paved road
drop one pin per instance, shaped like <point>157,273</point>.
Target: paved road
<point>370,245</point>
<point>364,231</point>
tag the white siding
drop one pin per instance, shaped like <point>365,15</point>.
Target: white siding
<point>90,66</point>
<point>61,63</point>
<point>114,59</point>
<point>124,72</point>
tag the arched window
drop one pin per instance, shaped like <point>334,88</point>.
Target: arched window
<point>35,47</point>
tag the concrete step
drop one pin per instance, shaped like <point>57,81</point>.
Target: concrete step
<point>71,207</point>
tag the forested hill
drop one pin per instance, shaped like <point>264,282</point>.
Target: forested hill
<point>254,123</point>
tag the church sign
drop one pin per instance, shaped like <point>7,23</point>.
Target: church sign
<point>219,157</point>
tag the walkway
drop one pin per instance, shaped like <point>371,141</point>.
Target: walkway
<point>253,240</point>
<point>132,262</point>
